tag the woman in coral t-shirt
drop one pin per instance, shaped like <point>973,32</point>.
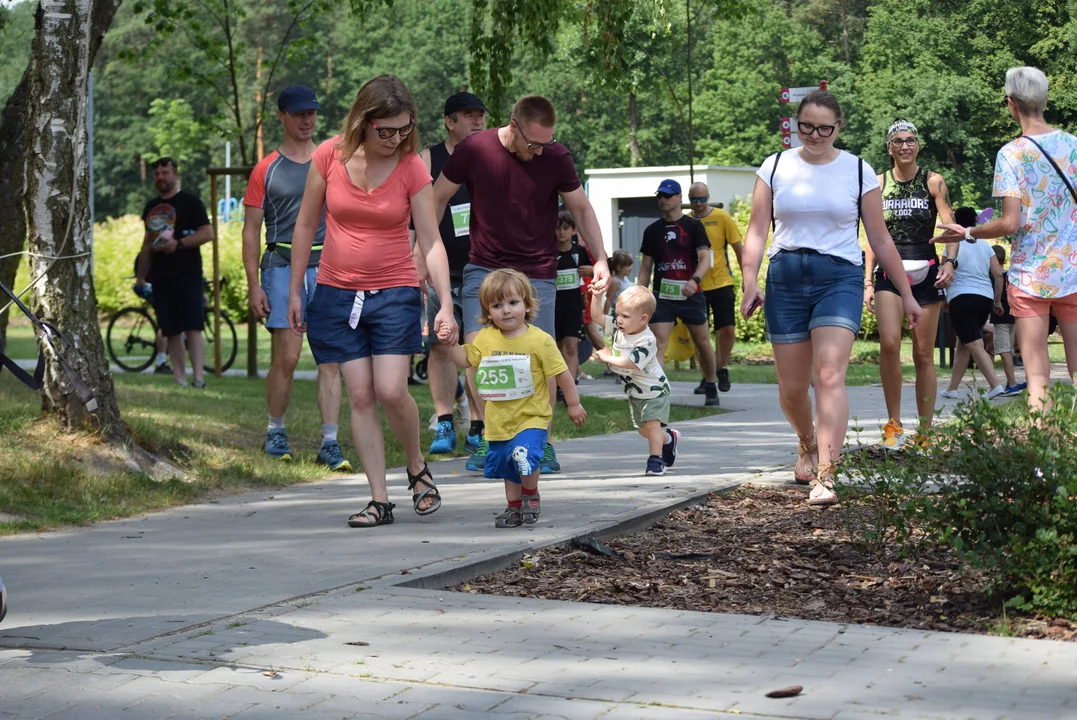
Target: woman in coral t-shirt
<point>366,311</point>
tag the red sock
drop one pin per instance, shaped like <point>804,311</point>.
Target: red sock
<point>525,491</point>
<point>516,503</point>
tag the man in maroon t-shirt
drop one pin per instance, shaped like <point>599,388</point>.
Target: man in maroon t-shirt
<point>514,175</point>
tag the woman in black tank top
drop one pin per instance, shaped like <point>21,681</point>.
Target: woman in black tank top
<point>914,201</point>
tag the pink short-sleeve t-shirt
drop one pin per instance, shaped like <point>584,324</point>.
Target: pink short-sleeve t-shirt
<point>366,234</point>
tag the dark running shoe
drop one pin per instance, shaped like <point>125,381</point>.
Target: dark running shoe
<point>669,450</point>
<point>655,466</point>
<point>723,380</point>
<point>701,389</point>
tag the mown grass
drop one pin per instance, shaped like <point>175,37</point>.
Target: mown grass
<point>49,479</point>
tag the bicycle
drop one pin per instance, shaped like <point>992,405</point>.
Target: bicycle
<point>132,337</point>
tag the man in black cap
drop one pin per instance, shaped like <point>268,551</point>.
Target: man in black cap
<point>465,115</point>
<point>274,194</point>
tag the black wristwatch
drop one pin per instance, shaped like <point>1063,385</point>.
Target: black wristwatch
<point>952,261</point>
<point>697,279</point>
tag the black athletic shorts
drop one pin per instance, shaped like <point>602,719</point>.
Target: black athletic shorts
<point>722,302</point>
<point>968,314</point>
<point>568,315</point>
<point>691,311</point>
<point>925,292</point>
<point>179,305</point>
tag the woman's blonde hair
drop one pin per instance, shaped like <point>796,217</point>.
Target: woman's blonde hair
<point>382,97</point>
<point>500,283</point>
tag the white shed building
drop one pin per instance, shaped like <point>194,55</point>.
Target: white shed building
<point>623,198</point>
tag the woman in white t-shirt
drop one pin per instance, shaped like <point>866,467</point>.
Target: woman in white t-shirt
<point>976,290</point>
<point>815,197</point>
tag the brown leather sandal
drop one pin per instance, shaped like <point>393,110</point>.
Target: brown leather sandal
<point>805,451</point>
<point>822,491</point>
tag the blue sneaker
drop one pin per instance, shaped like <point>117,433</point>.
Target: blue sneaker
<point>655,466</point>
<point>444,438</point>
<point>276,445</point>
<point>477,461</point>
<point>548,464</point>
<point>331,456</point>
<point>669,450</point>
<point>472,442</point>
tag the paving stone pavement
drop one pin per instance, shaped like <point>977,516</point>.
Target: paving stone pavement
<point>266,605</point>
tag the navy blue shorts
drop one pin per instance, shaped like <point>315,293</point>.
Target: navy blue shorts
<point>806,290</point>
<point>508,458</point>
<point>389,324</point>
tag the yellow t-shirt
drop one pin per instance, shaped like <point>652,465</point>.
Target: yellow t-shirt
<point>722,231</point>
<point>506,373</point>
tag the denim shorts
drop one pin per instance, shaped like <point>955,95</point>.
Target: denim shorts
<point>507,458</point>
<point>547,297</point>
<point>389,324</point>
<point>275,281</point>
<point>807,289</point>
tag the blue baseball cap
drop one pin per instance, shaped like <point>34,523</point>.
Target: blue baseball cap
<point>297,99</point>
<point>670,187</point>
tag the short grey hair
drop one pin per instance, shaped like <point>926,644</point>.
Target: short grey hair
<point>1027,87</point>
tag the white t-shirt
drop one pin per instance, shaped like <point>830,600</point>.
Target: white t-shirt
<point>973,274</point>
<point>815,205</point>
<point>649,379</point>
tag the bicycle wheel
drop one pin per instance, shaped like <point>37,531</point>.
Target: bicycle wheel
<point>229,345</point>
<point>132,339</point>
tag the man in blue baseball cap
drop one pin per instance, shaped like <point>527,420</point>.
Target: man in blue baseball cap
<point>274,195</point>
<point>677,249</point>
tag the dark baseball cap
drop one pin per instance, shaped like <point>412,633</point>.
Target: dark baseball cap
<point>669,187</point>
<point>297,99</point>
<point>464,101</point>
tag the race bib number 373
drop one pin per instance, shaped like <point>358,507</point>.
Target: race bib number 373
<point>504,377</point>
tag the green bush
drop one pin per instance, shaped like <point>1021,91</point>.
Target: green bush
<point>117,242</point>
<point>999,486</point>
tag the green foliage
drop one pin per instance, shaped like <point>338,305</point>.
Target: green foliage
<point>175,131</point>
<point>16,32</point>
<point>117,242</point>
<point>999,487</point>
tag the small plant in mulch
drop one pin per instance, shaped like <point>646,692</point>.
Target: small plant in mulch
<point>998,487</point>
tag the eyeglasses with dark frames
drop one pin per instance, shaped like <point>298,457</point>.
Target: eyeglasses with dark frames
<point>824,131</point>
<point>532,145</point>
<point>898,142</point>
<point>387,132</point>
<point>1006,101</point>
<point>664,196</point>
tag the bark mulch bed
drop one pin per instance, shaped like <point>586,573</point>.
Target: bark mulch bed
<point>762,551</point>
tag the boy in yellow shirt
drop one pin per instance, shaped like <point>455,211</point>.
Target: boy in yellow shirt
<point>514,361</point>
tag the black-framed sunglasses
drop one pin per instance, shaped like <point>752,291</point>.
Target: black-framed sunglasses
<point>698,199</point>
<point>823,131</point>
<point>664,196</point>
<point>910,141</point>
<point>1005,101</point>
<point>532,145</point>
<point>387,132</point>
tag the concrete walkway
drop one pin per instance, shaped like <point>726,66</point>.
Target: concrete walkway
<point>266,605</point>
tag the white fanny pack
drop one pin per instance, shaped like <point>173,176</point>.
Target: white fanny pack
<point>917,270</point>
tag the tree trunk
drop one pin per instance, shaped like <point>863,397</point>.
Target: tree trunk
<point>56,204</point>
<point>13,156</point>
<point>636,157</point>
<point>845,31</point>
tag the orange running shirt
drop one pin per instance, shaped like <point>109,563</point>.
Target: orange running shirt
<point>366,234</point>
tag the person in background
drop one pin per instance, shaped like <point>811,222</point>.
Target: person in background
<point>815,196</point>
<point>573,263</point>
<point>975,291</point>
<point>914,198</point>
<point>1005,335</point>
<point>717,284</point>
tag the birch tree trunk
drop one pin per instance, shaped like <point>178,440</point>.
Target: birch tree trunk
<point>56,203</point>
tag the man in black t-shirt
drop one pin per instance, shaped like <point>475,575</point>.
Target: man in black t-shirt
<point>176,227</point>
<point>465,115</point>
<point>678,250</point>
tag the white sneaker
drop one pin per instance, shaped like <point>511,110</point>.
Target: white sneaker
<point>948,394</point>
<point>462,416</point>
<point>995,392</point>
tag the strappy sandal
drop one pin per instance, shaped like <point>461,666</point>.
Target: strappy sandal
<point>822,491</point>
<point>530,511</point>
<point>805,451</point>
<point>512,517</point>
<point>382,514</point>
<point>417,498</point>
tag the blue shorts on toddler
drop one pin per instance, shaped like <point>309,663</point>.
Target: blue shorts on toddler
<point>512,459</point>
